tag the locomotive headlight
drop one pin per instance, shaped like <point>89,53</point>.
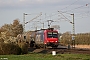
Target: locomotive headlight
<point>55,41</point>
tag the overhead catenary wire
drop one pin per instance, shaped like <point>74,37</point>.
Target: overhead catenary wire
<point>66,19</point>
<point>70,4</point>
<point>82,14</point>
<point>76,8</point>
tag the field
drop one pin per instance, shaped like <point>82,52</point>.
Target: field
<point>39,56</point>
<point>46,54</point>
<point>83,46</point>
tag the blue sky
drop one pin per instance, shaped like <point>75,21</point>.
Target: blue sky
<point>14,9</point>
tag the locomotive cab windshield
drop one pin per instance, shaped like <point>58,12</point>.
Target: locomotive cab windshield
<point>52,35</point>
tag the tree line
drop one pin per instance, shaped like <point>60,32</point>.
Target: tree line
<point>80,38</point>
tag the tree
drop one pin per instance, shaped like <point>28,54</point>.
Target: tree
<point>12,29</point>
<point>16,22</point>
<point>17,28</point>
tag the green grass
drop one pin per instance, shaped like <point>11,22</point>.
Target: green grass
<point>37,56</point>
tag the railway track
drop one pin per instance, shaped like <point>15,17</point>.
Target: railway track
<point>59,50</point>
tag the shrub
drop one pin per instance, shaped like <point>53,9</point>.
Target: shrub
<point>24,47</point>
<point>9,48</point>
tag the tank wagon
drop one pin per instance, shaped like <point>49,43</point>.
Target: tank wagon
<point>44,38</point>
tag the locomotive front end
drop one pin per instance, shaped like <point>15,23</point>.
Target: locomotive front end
<point>51,38</point>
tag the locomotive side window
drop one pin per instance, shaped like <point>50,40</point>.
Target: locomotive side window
<point>52,34</point>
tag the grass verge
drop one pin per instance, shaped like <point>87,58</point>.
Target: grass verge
<point>37,56</point>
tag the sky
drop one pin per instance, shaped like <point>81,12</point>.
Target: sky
<point>57,10</point>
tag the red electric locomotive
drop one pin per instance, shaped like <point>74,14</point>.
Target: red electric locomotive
<point>46,37</point>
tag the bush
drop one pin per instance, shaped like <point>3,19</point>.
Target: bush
<point>9,48</point>
<point>24,47</point>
